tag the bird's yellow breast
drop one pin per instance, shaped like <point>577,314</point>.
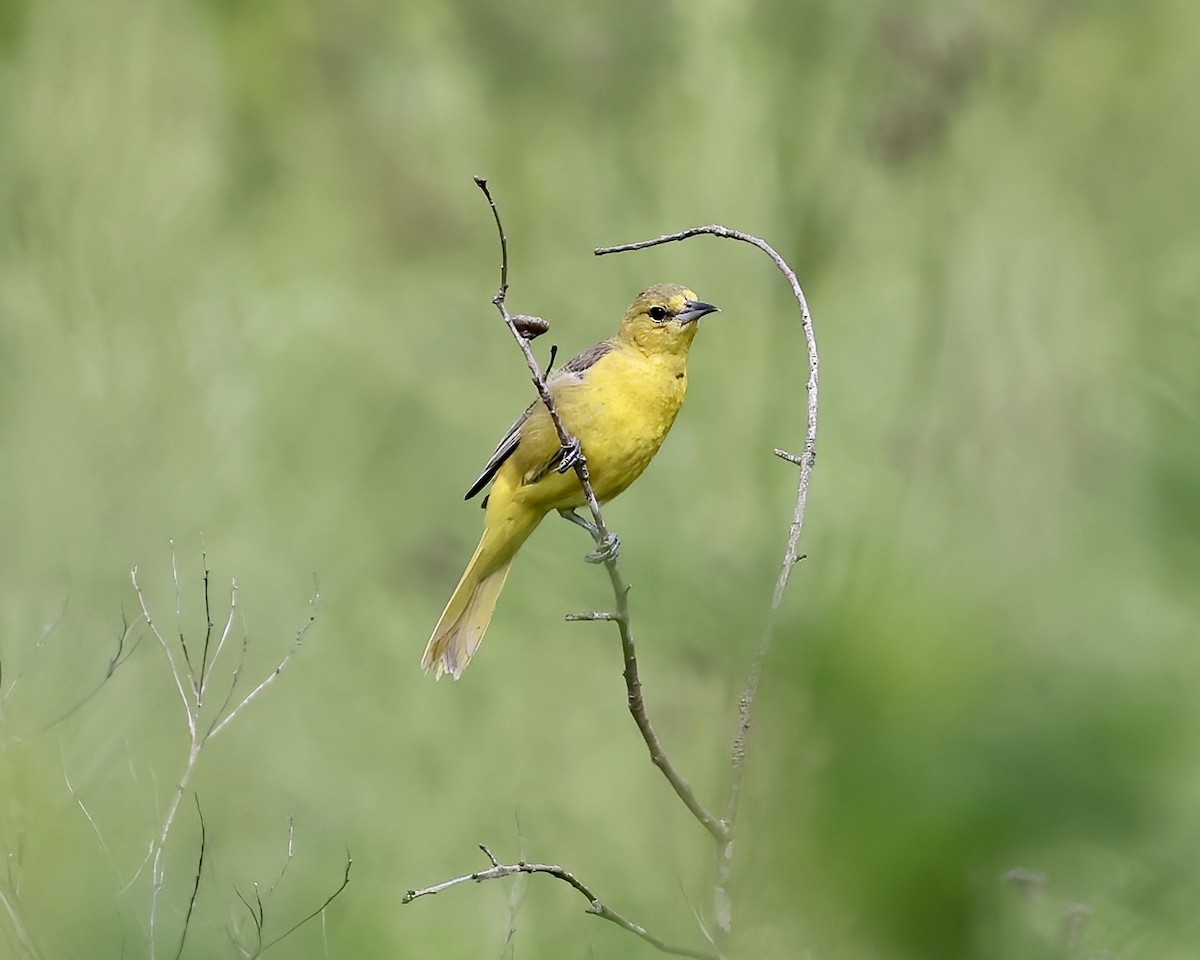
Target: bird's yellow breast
<point>620,408</point>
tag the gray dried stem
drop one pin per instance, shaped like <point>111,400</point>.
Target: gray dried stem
<point>596,906</point>
<point>21,936</point>
<point>192,676</point>
<point>257,909</point>
<point>12,684</point>
<point>722,902</point>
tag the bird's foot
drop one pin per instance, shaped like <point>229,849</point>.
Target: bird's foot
<point>569,455</point>
<point>607,551</point>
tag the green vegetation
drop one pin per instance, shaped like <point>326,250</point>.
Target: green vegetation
<point>245,286</point>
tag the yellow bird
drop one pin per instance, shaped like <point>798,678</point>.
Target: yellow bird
<point>618,399</point>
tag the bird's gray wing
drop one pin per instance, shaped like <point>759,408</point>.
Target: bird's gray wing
<point>581,361</point>
<point>502,452</point>
<point>573,367</point>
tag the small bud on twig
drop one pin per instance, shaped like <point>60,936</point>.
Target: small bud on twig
<point>530,327</point>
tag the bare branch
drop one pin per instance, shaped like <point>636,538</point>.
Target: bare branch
<point>208,629</point>
<point>270,678</point>
<point>119,659</point>
<point>211,664</point>
<point>320,911</point>
<point>90,819</point>
<point>291,847</point>
<point>191,690</point>
<point>19,931</point>
<point>568,442</point>
<point>187,919</point>
<point>806,459</point>
<point>595,905</point>
<point>256,917</point>
<point>590,615</point>
<point>721,899</point>
<point>157,879</point>
<point>187,658</point>
<point>47,630</point>
<point>637,709</point>
<point>258,912</point>
<point>188,709</point>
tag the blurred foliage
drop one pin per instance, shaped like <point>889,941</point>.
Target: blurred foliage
<point>244,306</point>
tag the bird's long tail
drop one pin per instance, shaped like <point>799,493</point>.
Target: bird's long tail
<point>460,630</point>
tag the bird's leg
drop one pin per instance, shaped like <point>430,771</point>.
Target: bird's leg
<point>576,519</point>
<point>608,550</point>
<point>569,455</point>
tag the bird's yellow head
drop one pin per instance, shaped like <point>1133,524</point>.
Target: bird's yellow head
<point>662,319</point>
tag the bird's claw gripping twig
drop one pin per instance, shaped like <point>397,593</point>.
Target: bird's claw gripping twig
<point>607,551</point>
<point>569,455</point>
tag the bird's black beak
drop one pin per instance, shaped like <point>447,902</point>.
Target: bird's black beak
<point>694,310</point>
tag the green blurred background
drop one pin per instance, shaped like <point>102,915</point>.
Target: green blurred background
<point>244,306</point>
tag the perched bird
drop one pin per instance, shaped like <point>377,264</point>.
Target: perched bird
<point>618,399</point>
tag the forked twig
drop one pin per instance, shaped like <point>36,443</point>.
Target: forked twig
<point>320,911</point>
<point>202,723</point>
<point>297,641</point>
<point>119,659</point>
<point>258,908</point>
<point>596,906</point>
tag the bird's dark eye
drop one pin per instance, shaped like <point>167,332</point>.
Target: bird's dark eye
<point>658,314</point>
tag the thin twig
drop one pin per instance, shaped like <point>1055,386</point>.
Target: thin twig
<point>157,879</point>
<point>255,915</point>
<point>47,630</point>
<point>596,906</point>
<point>118,660</point>
<point>212,664</point>
<point>188,709</point>
<point>637,709</point>
<point>19,931</point>
<point>191,694</point>
<point>208,629</point>
<point>258,911</point>
<point>187,658</point>
<point>565,437</point>
<point>722,903</point>
<point>90,819</point>
<point>291,847</point>
<point>516,894</point>
<point>187,919</point>
<point>234,676</point>
<point>318,912</point>
<point>314,603</point>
